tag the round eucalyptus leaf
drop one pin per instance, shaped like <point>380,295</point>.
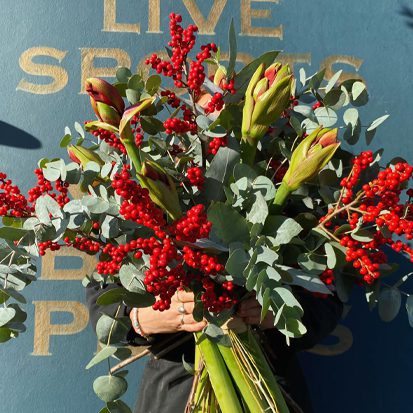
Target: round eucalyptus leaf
<point>110,388</point>
<point>120,329</point>
<point>389,303</point>
<point>6,314</point>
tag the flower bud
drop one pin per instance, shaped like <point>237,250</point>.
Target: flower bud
<point>267,96</point>
<point>106,101</point>
<point>161,187</point>
<point>310,157</point>
<point>82,156</point>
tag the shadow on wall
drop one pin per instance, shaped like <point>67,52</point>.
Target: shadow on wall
<point>17,138</point>
<point>407,12</point>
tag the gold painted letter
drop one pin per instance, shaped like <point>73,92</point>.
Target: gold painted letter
<point>109,20</point>
<point>205,26</point>
<point>343,59</point>
<point>44,329</point>
<point>154,17</point>
<point>88,69</point>
<point>50,272</point>
<point>59,75</point>
<point>248,13</point>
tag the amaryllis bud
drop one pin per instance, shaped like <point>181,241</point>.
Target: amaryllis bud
<point>220,76</point>
<point>310,157</point>
<point>161,187</point>
<point>106,101</point>
<point>83,156</point>
<point>267,96</point>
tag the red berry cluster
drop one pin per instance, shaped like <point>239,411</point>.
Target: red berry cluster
<point>217,298</point>
<point>196,75</point>
<point>173,100</point>
<point>208,264</point>
<point>377,202</point>
<point>137,205</point>
<point>215,104</point>
<point>137,130</point>
<point>360,163</point>
<point>215,144</point>
<point>110,138</point>
<point>45,187</point>
<point>12,202</point>
<point>179,126</point>
<point>195,176</point>
<point>181,43</point>
<point>327,276</point>
<point>192,226</point>
<point>47,245</point>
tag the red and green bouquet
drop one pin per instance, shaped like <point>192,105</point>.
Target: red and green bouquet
<point>225,183</point>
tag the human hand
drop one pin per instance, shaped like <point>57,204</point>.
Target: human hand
<point>172,320</point>
<point>249,310</point>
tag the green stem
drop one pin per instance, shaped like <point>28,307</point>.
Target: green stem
<point>244,385</point>
<point>265,370</point>
<point>133,153</point>
<point>248,151</point>
<point>281,196</point>
<point>219,376</point>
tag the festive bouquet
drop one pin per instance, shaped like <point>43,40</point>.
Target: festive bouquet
<point>225,186</point>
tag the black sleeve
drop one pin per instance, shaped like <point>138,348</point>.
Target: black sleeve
<point>93,291</point>
<point>321,316</point>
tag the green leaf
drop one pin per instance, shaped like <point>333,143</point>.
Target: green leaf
<point>331,255</point>
<point>123,74</point>
<point>133,96</point>
<point>315,80</point>
<point>46,206</point>
<point>187,366</point>
<point>110,388</point>
<point>232,40</point>
<point>12,234</point>
<point>103,354</point>
<point>136,82</point>
<point>359,94</point>
<point>241,170</point>
<point>326,116</point>
<point>265,186</point>
<point>335,99</point>
<point>119,328</point>
<point>65,141</point>
<point>308,281</point>
<point>259,210</point>
<point>409,309</point>
<point>118,406</point>
<point>139,300</point>
<point>132,278</point>
<point>389,303</point>
<point>331,83</point>
<point>351,116</point>
<point>152,84</point>
<point>151,125</point>
<point>6,315</point>
<point>237,262</point>
<point>282,228</point>
<point>227,224</point>
<point>115,295</point>
<point>362,235</point>
<point>377,122</point>
<point>5,334</point>
<point>219,172</point>
<point>213,331</point>
<point>79,129</point>
<point>110,227</point>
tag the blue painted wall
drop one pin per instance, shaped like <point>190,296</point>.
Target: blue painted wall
<point>372,375</point>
